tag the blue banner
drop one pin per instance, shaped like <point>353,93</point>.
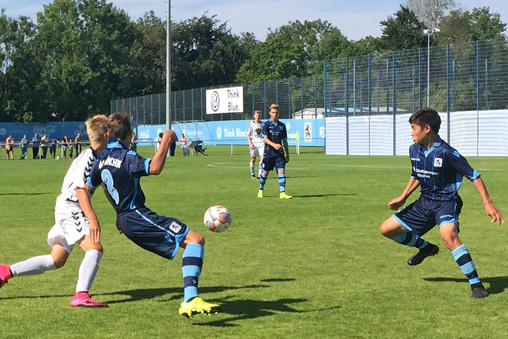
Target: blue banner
<point>54,130</point>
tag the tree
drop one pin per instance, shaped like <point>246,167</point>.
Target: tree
<point>204,53</point>
<point>294,50</point>
<point>431,12</point>
<point>403,31</point>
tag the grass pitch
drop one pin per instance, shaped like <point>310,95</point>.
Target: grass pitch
<point>315,266</point>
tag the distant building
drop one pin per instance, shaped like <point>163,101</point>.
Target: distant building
<point>319,112</point>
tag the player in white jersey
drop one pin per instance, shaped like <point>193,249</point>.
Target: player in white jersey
<point>75,223</point>
<point>256,143</point>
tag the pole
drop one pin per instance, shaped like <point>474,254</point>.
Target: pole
<point>428,68</point>
<point>168,67</point>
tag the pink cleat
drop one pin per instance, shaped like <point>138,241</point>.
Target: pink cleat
<point>83,299</point>
<point>5,274</point>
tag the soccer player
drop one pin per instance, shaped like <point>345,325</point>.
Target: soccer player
<point>256,143</point>
<point>438,169</point>
<point>75,223</point>
<point>120,170</point>
<point>276,153</point>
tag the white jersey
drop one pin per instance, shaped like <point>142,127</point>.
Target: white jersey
<point>76,177</point>
<point>254,133</point>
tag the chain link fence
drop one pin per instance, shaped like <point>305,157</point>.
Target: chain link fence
<point>452,78</point>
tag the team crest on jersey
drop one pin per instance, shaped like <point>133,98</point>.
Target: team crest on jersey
<point>175,227</point>
<point>438,162</point>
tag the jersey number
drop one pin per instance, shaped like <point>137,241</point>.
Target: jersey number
<point>107,178</point>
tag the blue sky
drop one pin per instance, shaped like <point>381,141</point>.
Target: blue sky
<point>355,18</point>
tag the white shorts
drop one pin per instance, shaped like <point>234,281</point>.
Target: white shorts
<point>71,225</point>
<point>257,151</point>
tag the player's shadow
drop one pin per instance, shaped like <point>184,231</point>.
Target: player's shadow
<point>322,195</point>
<point>251,309</point>
<point>151,293</point>
<point>27,193</point>
<point>496,284</point>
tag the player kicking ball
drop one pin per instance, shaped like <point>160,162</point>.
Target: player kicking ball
<point>438,169</point>
<point>75,223</point>
<point>120,169</point>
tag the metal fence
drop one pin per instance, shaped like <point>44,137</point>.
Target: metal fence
<point>452,78</point>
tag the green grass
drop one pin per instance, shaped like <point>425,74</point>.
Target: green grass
<point>315,266</point>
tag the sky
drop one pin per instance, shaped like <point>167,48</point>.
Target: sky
<point>356,19</point>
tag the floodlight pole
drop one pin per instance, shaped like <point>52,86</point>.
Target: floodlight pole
<point>429,32</point>
<point>168,67</point>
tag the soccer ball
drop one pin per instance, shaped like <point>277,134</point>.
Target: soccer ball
<point>217,218</point>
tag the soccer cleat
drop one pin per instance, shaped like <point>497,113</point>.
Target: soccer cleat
<point>417,259</point>
<point>283,195</point>
<point>197,305</point>
<point>83,299</point>
<point>253,176</point>
<point>478,291</point>
<point>260,193</point>
<point>5,274</point>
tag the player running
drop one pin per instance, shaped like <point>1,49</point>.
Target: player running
<point>75,223</point>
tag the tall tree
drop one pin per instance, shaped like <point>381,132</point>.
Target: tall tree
<point>294,50</point>
<point>432,12</point>
<point>205,53</point>
<point>403,31</point>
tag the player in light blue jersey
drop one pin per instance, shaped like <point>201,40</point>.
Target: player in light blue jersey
<point>276,153</point>
<point>438,169</point>
<point>120,170</point>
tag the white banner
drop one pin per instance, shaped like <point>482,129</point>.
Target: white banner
<point>224,100</point>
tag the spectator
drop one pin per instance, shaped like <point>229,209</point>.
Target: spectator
<point>65,145</point>
<point>24,147</point>
<point>44,145</point>
<point>9,147</point>
<point>35,145</point>
<point>53,145</point>
<point>183,145</point>
<point>78,141</point>
<point>134,143</point>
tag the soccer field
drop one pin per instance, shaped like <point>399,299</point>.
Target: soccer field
<point>315,266</point>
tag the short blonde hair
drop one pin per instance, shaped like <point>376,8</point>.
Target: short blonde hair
<point>96,127</point>
<point>274,106</point>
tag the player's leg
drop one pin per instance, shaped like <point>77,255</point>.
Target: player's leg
<point>36,265</point>
<point>192,263</point>
<point>280,164</point>
<point>396,228</point>
<point>252,163</point>
<point>268,164</point>
<point>462,257</point>
<point>86,274</point>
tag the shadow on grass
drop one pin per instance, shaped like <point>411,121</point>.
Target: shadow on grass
<point>496,284</point>
<point>141,294</point>
<point>322,195</point>
<point>27,193</point>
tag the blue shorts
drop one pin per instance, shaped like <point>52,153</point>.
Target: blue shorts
<point>158,234</point>
<point>269,162</point>
<point>423,214</point>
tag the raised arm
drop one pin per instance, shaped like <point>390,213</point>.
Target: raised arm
<point>159,159</point>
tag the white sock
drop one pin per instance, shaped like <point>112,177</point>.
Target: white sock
<point>251,166</point>
<point>88,270</point>
<point>35,265</point>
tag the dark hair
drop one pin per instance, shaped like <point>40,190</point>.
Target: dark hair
<point>119,125</point>
<point>426,116</point>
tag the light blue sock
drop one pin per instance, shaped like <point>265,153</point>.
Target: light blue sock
<point>192,262</point>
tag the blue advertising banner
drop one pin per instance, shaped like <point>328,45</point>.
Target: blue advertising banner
<point>309,132</point>
<point>54,130</point>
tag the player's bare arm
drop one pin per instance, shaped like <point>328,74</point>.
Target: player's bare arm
<point>286,149</point>
<point>86,206</point>
<point>398,202</point>
<point>490,209</point>
<point>271,143</point>
<point>159,159</point>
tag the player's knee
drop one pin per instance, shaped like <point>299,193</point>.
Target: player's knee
<point>194,238</point>
<point>59,262</point>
